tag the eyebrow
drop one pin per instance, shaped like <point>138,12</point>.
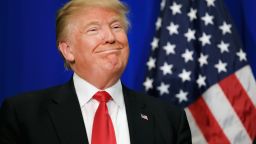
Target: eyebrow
<point>116,19</point>
<point>94,22</point>
<point>91,23</point>
<point>85,26</point>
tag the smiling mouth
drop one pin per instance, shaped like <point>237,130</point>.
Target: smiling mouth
<point>113,50</point>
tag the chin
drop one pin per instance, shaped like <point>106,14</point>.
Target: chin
<point>116,70</point>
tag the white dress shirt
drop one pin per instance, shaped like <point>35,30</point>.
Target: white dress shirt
<point>116,108</point>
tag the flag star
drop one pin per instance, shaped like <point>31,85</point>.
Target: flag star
<point>169,48</point>
<point>221,66</point>
<point>162,4</point>
<point>166,68</point>
<point>175,8</point>
<point>205,39</point>
<point>210,3</point>
<point>151,63</point>
<point>185,75</point>
<point>148,84</point>
<point>242,55</point>
<point>163,88</point>
<point>158,23</point>
<point>182,96</point>
<point>154,43</point>
<point>201,81</point>
<point>192,14</point>
<point>203,59</point>
<point>223,47</point>
<point>187,55</point>
<point>173,28</point>
<point>190,35</point>
<point>208,19</point>
<point>225,28</point>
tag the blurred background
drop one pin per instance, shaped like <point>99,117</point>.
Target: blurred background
<point>29,59</point>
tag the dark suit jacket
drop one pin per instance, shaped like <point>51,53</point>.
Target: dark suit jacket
<point>53,116</point>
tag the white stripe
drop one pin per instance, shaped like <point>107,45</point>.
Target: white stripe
<point>197,135</point>
<point>226,116</point>
<point>248,82</point>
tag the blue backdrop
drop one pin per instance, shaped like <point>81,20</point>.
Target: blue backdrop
<point>29,59</point>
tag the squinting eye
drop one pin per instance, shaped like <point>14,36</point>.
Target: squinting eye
<point>117,26</point>
<point>92,30</point>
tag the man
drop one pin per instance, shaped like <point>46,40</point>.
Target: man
<point>94,107</point>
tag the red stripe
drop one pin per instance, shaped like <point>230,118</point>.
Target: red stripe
<point>207,123</point>
<point>241,103</point>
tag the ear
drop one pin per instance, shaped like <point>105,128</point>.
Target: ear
<point>66,51</point>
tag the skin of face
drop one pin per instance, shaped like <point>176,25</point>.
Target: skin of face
<point>97,46</point>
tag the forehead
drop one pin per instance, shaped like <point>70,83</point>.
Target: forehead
<point>89,14</point>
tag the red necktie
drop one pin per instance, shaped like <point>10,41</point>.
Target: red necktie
<point>102,130</point>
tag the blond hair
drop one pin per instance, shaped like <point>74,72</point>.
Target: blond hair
<point>73,6</point>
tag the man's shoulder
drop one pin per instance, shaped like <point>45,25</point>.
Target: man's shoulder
<point>155,103</point>
<point>164,112</point>
<point>36,97</point>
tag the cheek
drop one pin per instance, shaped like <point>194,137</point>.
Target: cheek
<point>126,54</point>
<point>125,43</point>
<point>83,52</point>
<point>87,45</point>
<point>122,38</point>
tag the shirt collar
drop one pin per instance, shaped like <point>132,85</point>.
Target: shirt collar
<point>85,91</point>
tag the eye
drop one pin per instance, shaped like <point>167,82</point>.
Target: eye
<point>92,30</point>
<point>117,26</point>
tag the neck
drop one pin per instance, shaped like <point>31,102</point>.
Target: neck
<point>100,82</point>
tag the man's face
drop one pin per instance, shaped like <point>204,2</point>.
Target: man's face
<point>97,43</point>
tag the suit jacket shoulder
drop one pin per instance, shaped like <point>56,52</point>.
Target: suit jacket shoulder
<point>156,120</point>
<point>49,116</point>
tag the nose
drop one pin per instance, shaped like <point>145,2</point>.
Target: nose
<point>109,36</point>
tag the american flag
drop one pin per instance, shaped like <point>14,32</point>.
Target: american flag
<point>197,62</point>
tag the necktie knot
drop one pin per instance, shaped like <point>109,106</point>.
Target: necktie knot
<point>102,96</point>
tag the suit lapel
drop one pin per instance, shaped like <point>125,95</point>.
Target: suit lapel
<point>67,117</point>
<point>140,120</point>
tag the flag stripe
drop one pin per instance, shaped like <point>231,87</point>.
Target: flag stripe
<point>241,103</point>
<point>248,82</point>
<point>224,113</point>
<point>207,123</point>
<point>198,137</point>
